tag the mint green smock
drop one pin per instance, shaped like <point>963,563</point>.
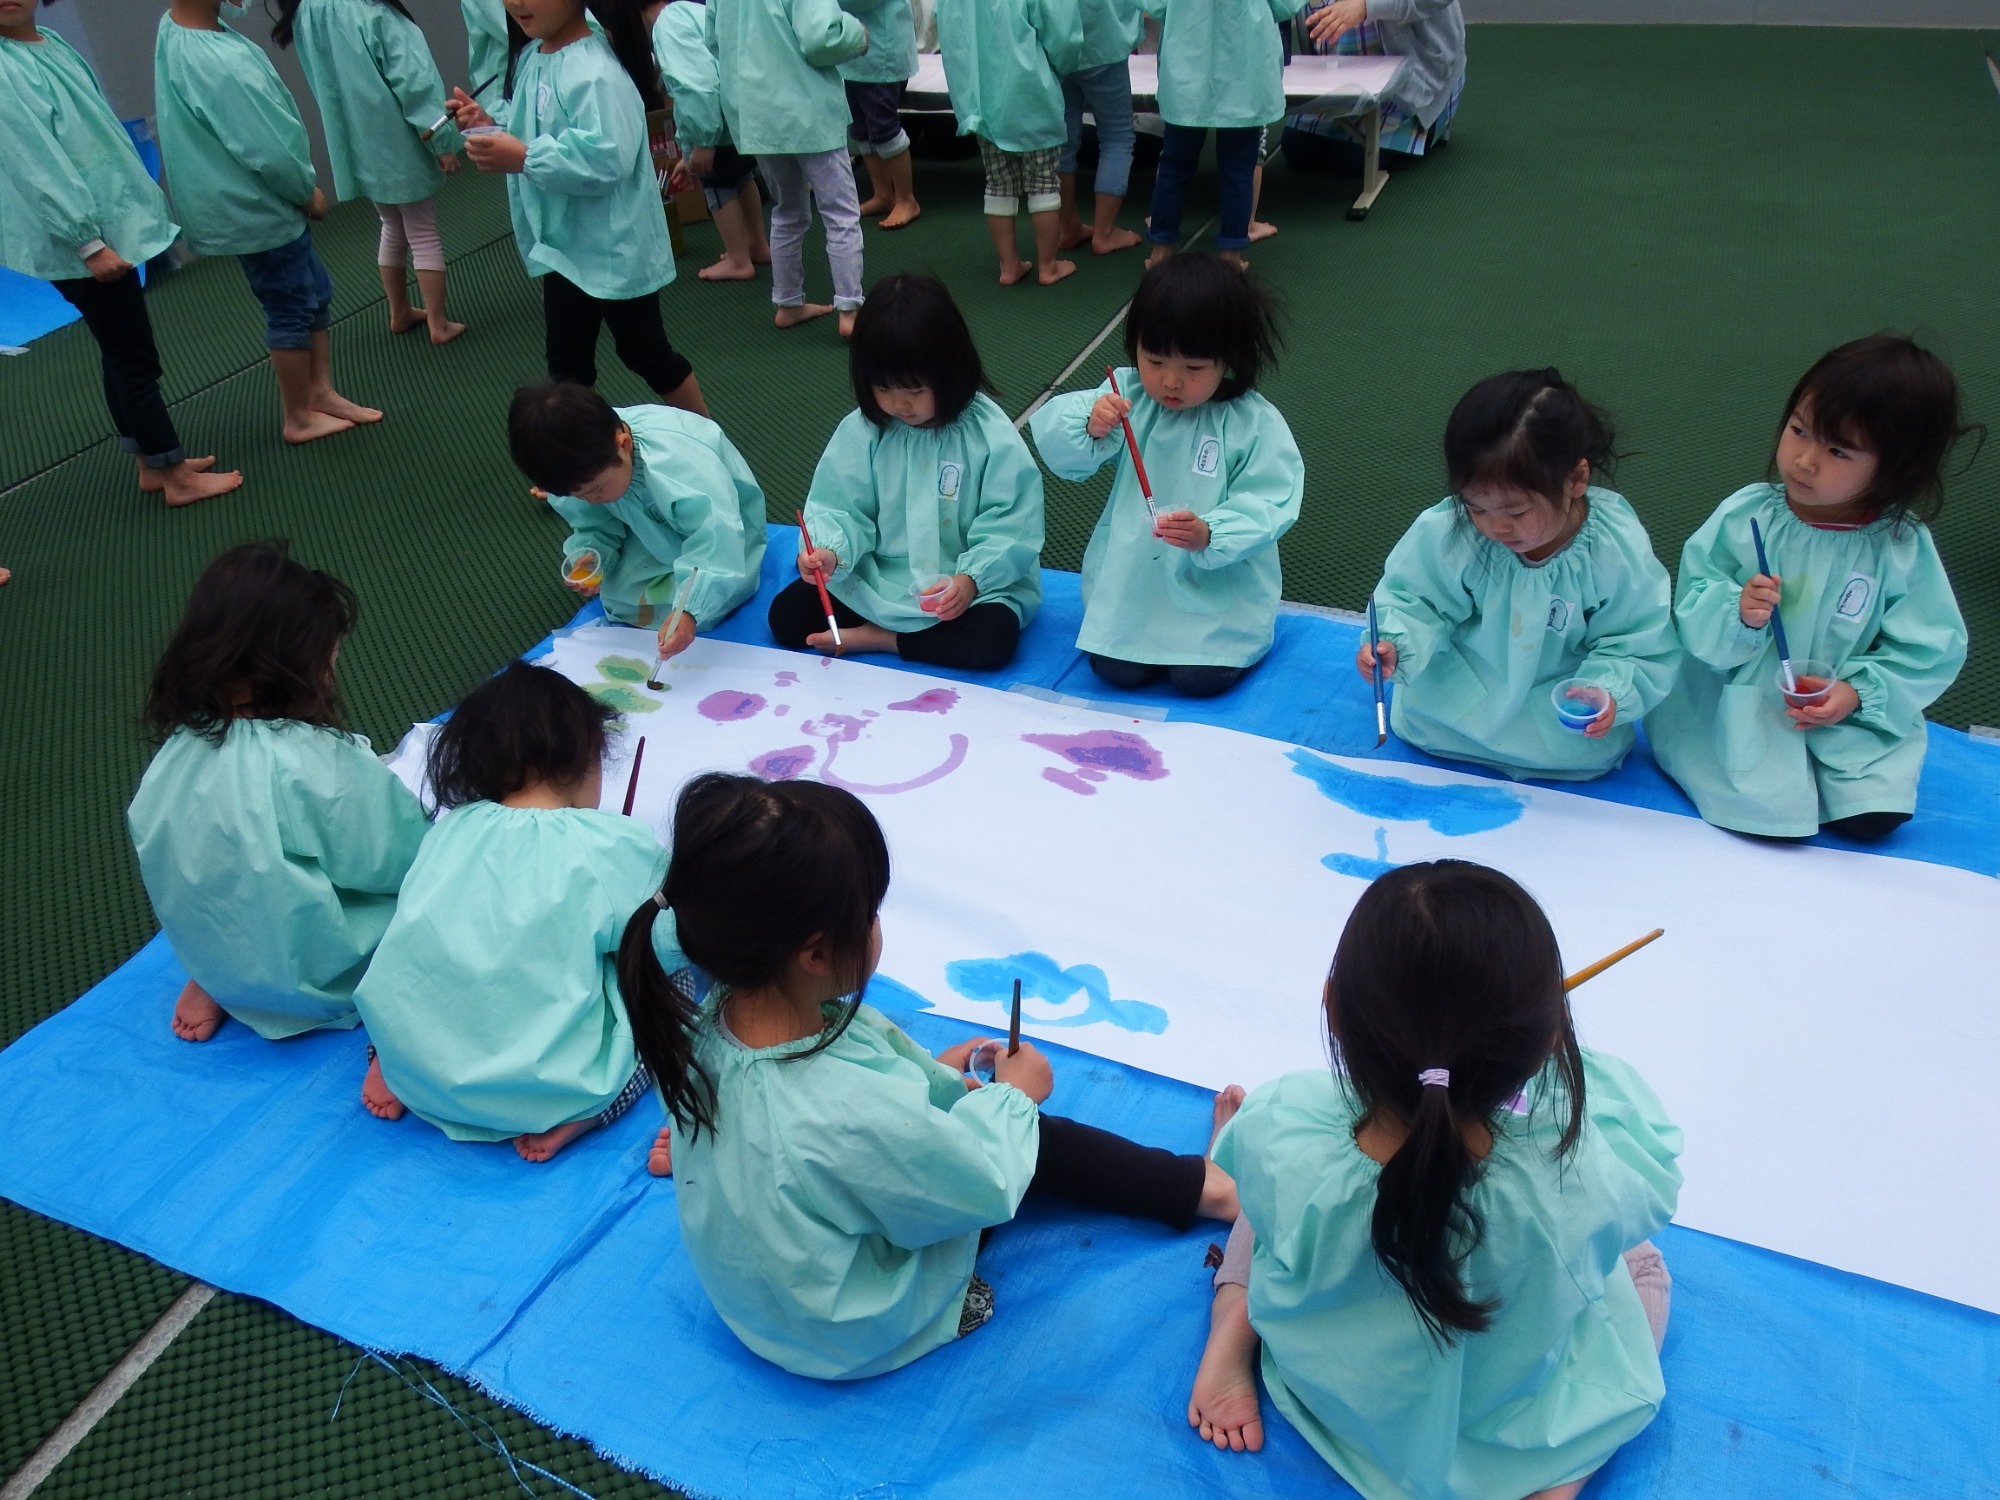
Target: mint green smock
<point>1234,464</point>
<point>273,862</point>
<point>234,146</point>
<point>72,174</point>
<point>1221,63</point>
<point>898,501</point>
<point>1482,637</point>
<point>1873,603</point>
<point>833,1214</point>
<point>892,43</point>
<point>587,205</point>
<point>1111,32</point>
<point>486,50</point>
<point>680,46</point>
<point>1003,61</point>
<point>371,71</point>
<point>781,93</point>
<point>1566,1373</point>
<point>693,504</point>
<point>493,1000</point>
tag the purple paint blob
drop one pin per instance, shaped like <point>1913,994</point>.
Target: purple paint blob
<point>1069,779</point>
<point>959,745</point>
<point>1093,776</point>
<point>783,765</point>
<point>781,710</point>
<point>1105,750</point>
<point>786,679</point>
<point>934,701</point>
<point>729,705</point>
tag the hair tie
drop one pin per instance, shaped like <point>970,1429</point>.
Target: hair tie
<point>1440,1077</point>
<point>660,900</point>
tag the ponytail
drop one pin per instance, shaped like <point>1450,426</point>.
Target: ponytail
<point>663,1019</point>
<point>1423,1226</point>
<point>625,30</point>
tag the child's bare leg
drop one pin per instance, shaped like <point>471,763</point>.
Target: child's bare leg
<point>1105,235</point>
<point>1259,230</point>
<point>1070,231</point>
<point>687,396</point>
<point>1012,267</point>
<point>903,188</point>
<point>546,1143</point>
<point>1159,253</point>
<point>325,398</point>
<point>881,194</point>
<point>396,291</point>
<point>660,1159</point>
<point>1048,229</point>
<point>443,330</point>
<point>376,1096</point>
<point>303,421</point>
<point>196,1015</point>
<point>752,199</point>
<point>1223,1405</point>
<point>855,640</point>
<point>733,225</point>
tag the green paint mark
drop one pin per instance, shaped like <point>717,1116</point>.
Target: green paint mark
<point>625,668</point>
<point>625,699</point>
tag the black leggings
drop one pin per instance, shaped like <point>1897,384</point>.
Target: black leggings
<point>115,314</point>
<point>572,317</point>
<point>1192,682</point>
<point>1095,1169</point>
<point>979,640</point>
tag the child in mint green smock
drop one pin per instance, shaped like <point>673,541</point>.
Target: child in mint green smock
<point>492,1006</point>
<point>874,83</point>
<point>834,1181</point>
<point>661,506</point>
<point>1191,596</point>
<point>1528,576</point>
<point>486,46</point>
<point>271,841</point>
<point>728,178</point>
<point>1860,589</point>
<point>1445,1247</point>
<point>925,511</point>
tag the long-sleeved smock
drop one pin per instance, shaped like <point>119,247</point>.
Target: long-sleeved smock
<point>1234,464</point>
<point>1111,32</point>
<point>1566,1373</point>
<point>899,504</point>
<point>1222,64</point>
<point>378,89</point>
<point>1004,61</point>
<point>687,67</point>
<point>486,50</point>
<point>892,43</point>
<point>781,91</point>
<point>1874,603</point>
<point>1431,34</point>
<point>1483,637</point>
<point>273,861</point>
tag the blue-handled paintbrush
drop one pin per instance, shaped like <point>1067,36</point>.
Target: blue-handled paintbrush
<point>1777,617</point>
<point>1381,709</point>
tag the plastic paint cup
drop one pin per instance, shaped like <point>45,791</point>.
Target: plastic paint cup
<point>1578,703</point>
<point>1814,679</point>
<point>471,130</point>
<point>584,571</point>
<point>922,584</point>
<point>980,1063</point>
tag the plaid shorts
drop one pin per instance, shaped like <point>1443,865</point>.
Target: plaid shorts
<point>640,1081</point>
<point>1013,175</point>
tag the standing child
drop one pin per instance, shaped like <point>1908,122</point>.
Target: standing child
<point>1468,1170</point>
<point>586,207</point>
<point>1004,61</point>
<point>271,842</point>
<point>875,82</point>
<point>783,103</point>
<point>728,178</point>
<point>1190,593</point>
<point>925,512</point>
<point>1222,68</point>
<point>1526,576</point>
<point>658,499</point>
<point>488,45</point>
<point>492,1004</point>
<point>835,1181</point>
<point>1101,84</point>
<point>77,210</point>
<point>1858,584</point>
<point>242,181</point>
<point>379,93</point>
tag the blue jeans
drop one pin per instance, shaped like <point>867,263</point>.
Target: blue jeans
<point>297,294</point>
<point>1236,166</point>
<point>1107,93</point>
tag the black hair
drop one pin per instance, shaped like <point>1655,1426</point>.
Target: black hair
<point>760,871</point>
<point>1526,430</point>
<point>287,11</point>
<point>1446,965</point>
<point>256,641</point>
<point>625,30</point>
<point>562,435</point>
<point>1199,307</point>
<point>910,333</point>
<point>1892,397</point>
<point>522,725</point>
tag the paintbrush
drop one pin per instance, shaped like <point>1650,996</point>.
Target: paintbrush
<point>1777,619</point>
<point>680,606</point>
<point>1138,463</point>
<point>632,786</point>
<point>1014,1026</point>
<point>819,581</point>
<point>445,119</point>
<point>1381,709</point>
<point>1609,959</point>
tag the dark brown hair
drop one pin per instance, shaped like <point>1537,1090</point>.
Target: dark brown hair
<point>1525,430</point>
<point>522,725</point>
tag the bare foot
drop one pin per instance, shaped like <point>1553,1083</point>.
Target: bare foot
<point>847,315</point>
<point>805,312</point>
<point>316,424</point>
<point>153,481</point>
<point>403,322</point>
<point>196,1015</point>
<point>1227,1103</point>
<point>1223,1404</point>
<point>445,332</point>
<point>1218,1189</point>
<point>1259,230</point>
<point>375,1095</point>
<point>1160,253</point>
<point>1112,243</point>
<point>331,403</point>
<point>726,269</point>
<point>854,640</point>
<point>545,1144</point>
<point>660,1159</point>
<point>1055,270</point>
<point>184,488</point>
<point>901,214</point>
<point>1009,275</point>
<point>875,206</point>
<point>1234,258</point>
<point>5,575</point>
<point>1072,237</point>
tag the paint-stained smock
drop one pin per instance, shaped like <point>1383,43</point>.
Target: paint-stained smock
<point>897,501</point>
<point>1483,637</point>
<point>1222,64</point>
<point>73,177</point>
<point>1234,464</point>
<point>273,862</point>
<point>1566,1373</point>
<point>833,1214</point>
<point>378,88</point>
<point>493,999</point>
<point>1874,603</point>
<point>687,67</point>
<point>1003,61</point>
<point>781,92</point>
<point>693,504</point>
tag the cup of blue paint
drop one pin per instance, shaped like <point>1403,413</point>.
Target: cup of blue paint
<point>980,1063</point>
<point>1578,703</point>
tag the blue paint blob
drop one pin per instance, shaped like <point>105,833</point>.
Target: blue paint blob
<point>1360,867</point>
<point>1453,810</point>
<point>885,993</point>
<point>1043,979</point>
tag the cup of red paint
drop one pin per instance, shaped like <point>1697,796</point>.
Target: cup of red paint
<point>1812,680</point>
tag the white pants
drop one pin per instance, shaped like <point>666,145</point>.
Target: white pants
<point>796,183</point>
<point>410,232</point>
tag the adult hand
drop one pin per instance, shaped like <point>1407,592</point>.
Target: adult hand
<point>448,163</point>
<point>1840,701</point>
<point>107,265</point>
<point>1027,1070</point>
<point>1183,529</point>
<point>465,111</point>
<point>315,206</point>
<point>1365,657</point>
<point>497,153</point>
<point>1336,20</point>
<point>1760,596</point>
<point>949,599</point>
<point>673,642</point>
<point>1105,416</point>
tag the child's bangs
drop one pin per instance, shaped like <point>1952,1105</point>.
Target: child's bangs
<point>1514,469</point>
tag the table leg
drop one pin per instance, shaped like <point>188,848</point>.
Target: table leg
<point>1373,178</point>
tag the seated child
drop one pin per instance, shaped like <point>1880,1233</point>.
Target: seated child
<point>1451,1271</point>
<point>492,1003</point>
<point>1860,464</point>
<point>1190,594</point>
<point>925,512</point>
<point>271,842</point>
<point>835,1181</point>
<point>1526,576</point>
<point>657,495</point>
